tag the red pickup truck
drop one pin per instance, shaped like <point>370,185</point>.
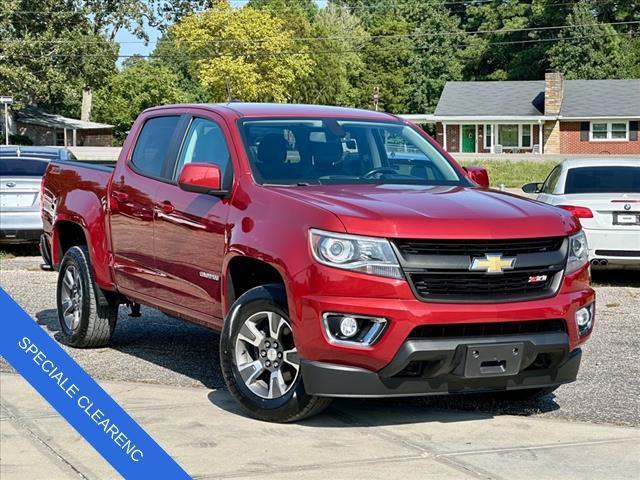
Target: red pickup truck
<point>340,252</point>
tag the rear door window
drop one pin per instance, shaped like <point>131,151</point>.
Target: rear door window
<point>153,144</point>
<point>603,180</point>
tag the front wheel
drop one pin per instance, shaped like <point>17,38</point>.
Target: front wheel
<point>259,359</point>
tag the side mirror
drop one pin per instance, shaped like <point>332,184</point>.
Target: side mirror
<point>479,175</point>
<point>532,187</point>
<point>201,178</point>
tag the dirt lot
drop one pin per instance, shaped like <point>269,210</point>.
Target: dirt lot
<point>161,350</point>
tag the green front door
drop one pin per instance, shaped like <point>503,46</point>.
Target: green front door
<point>468,138</point>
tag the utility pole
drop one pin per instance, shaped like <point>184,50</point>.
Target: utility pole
<point>6,101</point>
<point>376,97</point>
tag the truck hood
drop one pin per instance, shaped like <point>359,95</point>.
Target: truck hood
<point>407,211</point>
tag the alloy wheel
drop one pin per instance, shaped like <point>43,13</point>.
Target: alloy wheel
<point>71,297</point>
<point>266,356</point>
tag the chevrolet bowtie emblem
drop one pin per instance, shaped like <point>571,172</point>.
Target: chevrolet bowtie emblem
<point>493,263</point>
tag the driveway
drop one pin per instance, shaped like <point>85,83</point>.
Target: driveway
<point>165,374</point>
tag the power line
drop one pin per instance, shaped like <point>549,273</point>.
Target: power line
<point>432,33</point>
<point>390,5</point>
<point>317,52</point>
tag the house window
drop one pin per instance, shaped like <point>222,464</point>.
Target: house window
<point>609,131</point>
<point>60,139</point>
<point>487,137</point>
<point>526,135</point>
<point>508,135</point>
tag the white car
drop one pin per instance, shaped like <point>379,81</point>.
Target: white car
<point>605,196</point>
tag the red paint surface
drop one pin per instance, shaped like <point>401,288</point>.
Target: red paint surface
<point>150,239</point>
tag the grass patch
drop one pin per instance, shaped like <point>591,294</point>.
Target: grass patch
<point>514,173</point>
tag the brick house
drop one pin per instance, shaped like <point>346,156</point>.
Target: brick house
<point>553,115</point>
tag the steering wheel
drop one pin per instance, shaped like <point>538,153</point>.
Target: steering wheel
<point>371,173</point>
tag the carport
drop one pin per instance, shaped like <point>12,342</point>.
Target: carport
<point>45,128</point>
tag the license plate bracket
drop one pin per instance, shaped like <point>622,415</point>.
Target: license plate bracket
<point>494,360</point>
<point>626,218</point>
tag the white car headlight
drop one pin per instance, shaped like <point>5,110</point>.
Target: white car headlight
<point>354,252</point>
<point>578,252</point>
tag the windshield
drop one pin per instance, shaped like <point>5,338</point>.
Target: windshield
<point>603,180</point>
<point>22,167</point>
<point>327,151</point>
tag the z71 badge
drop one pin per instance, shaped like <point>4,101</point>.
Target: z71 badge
<point>537,278</point>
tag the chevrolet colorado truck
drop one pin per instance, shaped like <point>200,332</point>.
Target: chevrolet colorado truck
<point>340,253</point>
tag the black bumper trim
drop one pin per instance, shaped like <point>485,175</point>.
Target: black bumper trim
<point>446,375</point>
<point>20,235</point>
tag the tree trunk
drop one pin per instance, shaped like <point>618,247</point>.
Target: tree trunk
<point>87,97</point>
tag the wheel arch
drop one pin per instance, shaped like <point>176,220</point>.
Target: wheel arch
<point>71,231</point>
<point>242,273</point>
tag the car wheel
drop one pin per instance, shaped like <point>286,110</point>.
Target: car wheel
<point>84,322</point>
<point>259,359</point>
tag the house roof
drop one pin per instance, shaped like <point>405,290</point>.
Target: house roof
<point>503,99</point>
<point>601,98</point>
<point>36,116</point>
<point>487,99</point>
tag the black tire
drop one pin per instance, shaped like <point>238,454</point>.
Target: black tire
<point>527,394</point>
<point>295,404</point>
<point>95,323</point>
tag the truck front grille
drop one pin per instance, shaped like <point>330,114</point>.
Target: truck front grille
<point>439,270</point>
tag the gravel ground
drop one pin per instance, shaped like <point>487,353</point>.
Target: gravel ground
<point>159,349</point>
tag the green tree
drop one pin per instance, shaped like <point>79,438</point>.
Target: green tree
<point>176,59</point>
<point>141,84</point>
<point>439,44</point>
<point>588,49</point>
<point>54,50</point>
<point>388,57</point>
<point>337,58</point>
<point>249,47</point>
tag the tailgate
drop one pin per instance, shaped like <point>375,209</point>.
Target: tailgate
<point>19,193</point>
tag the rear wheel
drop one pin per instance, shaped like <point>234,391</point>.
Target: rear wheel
<point>83,321</point>
<point>260,361</point>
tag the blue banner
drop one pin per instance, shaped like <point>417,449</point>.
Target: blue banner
<point>79,399</point>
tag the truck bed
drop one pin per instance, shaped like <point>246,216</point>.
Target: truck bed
<point>75,192</point>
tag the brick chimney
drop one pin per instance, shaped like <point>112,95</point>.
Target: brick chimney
<point>553,91</point>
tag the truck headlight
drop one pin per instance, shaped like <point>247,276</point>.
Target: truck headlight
<point>578,252</point>
<point>370,255</point>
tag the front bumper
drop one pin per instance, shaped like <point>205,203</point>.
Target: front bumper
<point>442,366</point>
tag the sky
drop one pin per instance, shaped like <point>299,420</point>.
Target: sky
<point>130,45</point>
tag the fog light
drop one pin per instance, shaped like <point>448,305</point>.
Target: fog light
<point>348,327</point>
<point>353,330</point>
<point>584,319</point>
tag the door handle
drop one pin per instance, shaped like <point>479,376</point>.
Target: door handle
<point>120,196</point>
<point>165,207</point>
